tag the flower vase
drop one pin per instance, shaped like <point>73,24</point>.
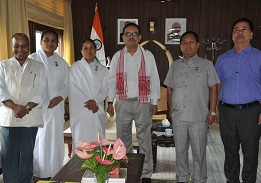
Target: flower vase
<point>101,178</point>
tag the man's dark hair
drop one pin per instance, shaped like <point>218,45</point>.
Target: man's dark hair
<point>190,32</point>
<point>250,24</point>
<point>87,39</point>
<point>127,24</point>
<point>21,35</point>
<point>50,31</point>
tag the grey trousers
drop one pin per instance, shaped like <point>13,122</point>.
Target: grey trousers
<point>127,111</point>
<point>194,134</point>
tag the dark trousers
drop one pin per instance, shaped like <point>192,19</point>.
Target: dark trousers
<point>240,127</point>
<point>17,153</point>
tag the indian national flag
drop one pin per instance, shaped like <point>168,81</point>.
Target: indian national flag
<point>96,34</point>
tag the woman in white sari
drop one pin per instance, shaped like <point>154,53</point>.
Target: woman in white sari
<point>49,145</point>
<point>87,91</point>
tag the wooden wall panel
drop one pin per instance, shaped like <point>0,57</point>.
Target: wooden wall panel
<point>206,17</point>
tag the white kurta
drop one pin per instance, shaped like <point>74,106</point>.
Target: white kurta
<point>28,86</point>
<point>49,145</point>
<point>87,82</point>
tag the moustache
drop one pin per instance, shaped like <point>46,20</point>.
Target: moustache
<point>131,39</point>
<point>240,36</point>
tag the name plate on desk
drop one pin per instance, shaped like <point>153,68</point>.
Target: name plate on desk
<point>88,177</point>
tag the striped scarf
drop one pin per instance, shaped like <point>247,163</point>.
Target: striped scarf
<point>121,80</point>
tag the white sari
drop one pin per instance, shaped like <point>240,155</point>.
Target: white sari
<point>87,82</point>
<point>49,145</point>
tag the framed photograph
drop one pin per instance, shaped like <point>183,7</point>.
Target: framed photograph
<point>174,28</point>
<point>121,23</point>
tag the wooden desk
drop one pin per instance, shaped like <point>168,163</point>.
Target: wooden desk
<point>162,141</point>
<point>71,173</point>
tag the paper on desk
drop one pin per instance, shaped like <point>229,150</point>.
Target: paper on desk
<point>165,122</point>
<point>159,133</point>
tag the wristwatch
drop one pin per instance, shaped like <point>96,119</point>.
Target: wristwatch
<point>213,113</point>
<point>29,108</point>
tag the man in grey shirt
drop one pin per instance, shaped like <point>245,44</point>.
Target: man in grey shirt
<point>192,94</point>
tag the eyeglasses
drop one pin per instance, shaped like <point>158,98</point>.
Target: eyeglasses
<point>134,34</point>
<point>244,30</point>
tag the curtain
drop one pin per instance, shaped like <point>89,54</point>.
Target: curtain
<point>13,19</point>
<point>48,13</point>
<point>68,50</point>
<point>3,30</point>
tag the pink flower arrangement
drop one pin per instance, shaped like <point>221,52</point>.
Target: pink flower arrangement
<point>99,158</point>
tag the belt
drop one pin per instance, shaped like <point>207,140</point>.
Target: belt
<point>240,106</point>
<point>131,99</point>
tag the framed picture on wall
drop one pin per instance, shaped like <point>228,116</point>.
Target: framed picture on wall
<point>174,28</point>
<point>121,23</point>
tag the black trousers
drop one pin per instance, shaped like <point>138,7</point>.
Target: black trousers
<point>240,127</point>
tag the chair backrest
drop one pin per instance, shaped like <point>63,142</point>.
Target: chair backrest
<point>162,105</point>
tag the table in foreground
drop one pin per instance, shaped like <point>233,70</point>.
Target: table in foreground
<point>70,171</point>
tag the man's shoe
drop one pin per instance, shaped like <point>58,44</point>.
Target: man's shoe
<point>146,180</point>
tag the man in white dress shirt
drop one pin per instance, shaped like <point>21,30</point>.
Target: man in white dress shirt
<point>134,82</point>
<point>23,89</point>
<point>49,146</point>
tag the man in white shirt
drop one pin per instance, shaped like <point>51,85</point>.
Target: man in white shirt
<point>134,81</point>
<point>22,92</point>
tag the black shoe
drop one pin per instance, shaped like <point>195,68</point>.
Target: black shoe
<point>146,180</point>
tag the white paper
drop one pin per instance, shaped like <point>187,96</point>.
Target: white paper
<point>165,122</point>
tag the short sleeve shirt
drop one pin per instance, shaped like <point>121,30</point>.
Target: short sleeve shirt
<point>190,83</point>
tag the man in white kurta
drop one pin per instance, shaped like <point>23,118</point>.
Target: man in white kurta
<point>134,82</point>
<point>22,93</point>
<point>49,145</point>
<point>87,81</point>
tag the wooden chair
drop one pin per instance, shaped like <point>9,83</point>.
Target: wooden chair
<point>163,111</point>
<point>67,135</point>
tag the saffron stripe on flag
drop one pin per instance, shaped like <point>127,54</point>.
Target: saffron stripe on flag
<point>96,33</point>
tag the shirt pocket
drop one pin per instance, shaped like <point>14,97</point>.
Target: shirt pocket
<point>177,80</point>
<point>229,75</point>
<point>31,79</point>
<point>199,79</point>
